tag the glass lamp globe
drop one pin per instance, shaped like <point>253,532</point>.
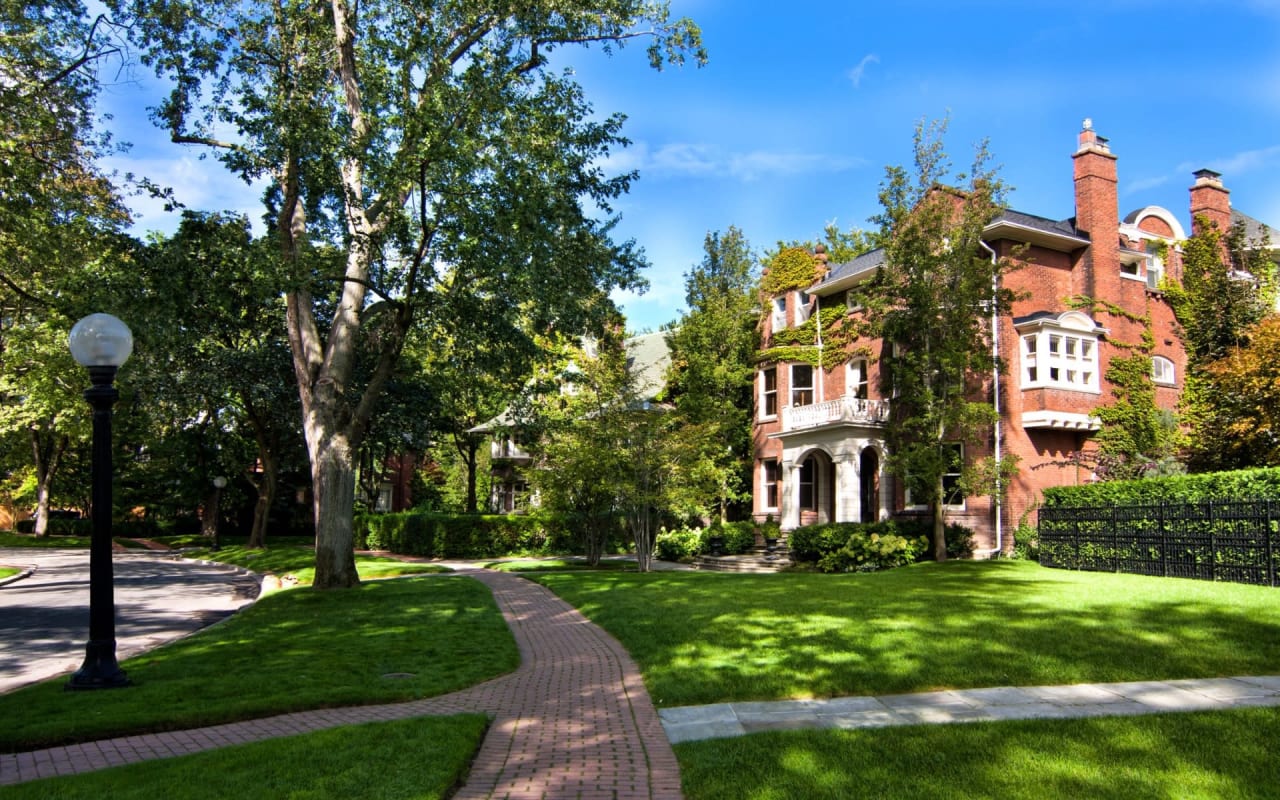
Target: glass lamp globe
<point>100,340</point>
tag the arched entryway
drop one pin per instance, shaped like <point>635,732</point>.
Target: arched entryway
<point>869,485</point>
<point>815,488</point>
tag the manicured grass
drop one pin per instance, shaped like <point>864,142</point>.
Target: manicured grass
<point>382,642</point>
<point>11,539</point>
<point>410,760</point>
<point>299,562</point>
<point>705,638</point>
<point>1222,754</point>
<point>8,572</point>
<point>561,565</point>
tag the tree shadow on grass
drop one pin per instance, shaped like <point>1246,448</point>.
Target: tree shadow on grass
<point>710,638</point>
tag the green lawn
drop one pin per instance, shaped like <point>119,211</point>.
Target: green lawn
<point>298,561</point>
<point>11,539</point>
<point>8,572</point>
<point>382,642</point>
<point>420,759</point>
<point>705,638</point>
<point>1223,754</point>
<point>561,565</point>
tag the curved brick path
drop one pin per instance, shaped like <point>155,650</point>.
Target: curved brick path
<point>574,721</point>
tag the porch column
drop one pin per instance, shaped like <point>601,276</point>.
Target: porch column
<point>789,500</point>
<point>886,491</point>
<point>848,489</point>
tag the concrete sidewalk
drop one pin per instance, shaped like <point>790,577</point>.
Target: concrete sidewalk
<point>691,723</point>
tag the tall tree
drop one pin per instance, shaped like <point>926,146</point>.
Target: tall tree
<point>414,136</point>
<point>923,304</point>
<point>1228,286</point>
<point>1247,411</point>
<point>713,348</point>
<point>58,214</point>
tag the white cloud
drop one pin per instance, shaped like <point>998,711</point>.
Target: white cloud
<point>1145,184</point>
<point>855,74</point>
<point>1242,162</point>
<point>684,159</point>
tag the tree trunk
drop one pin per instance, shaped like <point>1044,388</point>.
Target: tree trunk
<point>469,448</point>
<point>333,486</point>
<point>266,498</point>
<point>46,455</point>
<point>209,512</point>
<point>939,525</point>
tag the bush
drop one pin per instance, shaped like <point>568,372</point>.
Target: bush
<point>866,552</point>
<point>1026,542</point>
<point>438,535</point>
<point>681,544</point>
<point>848,545</point>
<point>1244,484</point>
<point>739,537</point>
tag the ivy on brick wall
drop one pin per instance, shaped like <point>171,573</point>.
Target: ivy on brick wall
<point>1137,436</point>
<point>791,268</point>
<point>800,344</point>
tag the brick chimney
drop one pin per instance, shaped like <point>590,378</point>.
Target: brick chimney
<point>1097,208</point>
<point>1211,200</point>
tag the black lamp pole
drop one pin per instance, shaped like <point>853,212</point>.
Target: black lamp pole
<point>100,669</point>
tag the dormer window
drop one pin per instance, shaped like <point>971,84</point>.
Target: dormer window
<point>803,307</point>
<point>779,313</point>
<point>1059,352</point>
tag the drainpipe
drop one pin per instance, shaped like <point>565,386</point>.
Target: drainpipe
<point>817,309</point>
<point>995,385</point>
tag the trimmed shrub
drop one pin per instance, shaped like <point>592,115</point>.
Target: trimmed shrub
<point>867,552</point>
<point>681,544</point>
<point>1244,484</point>
<point>849,545</point>
<point>739,537</point>
<point>436,535</point>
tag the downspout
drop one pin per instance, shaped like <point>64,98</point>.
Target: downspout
<point>995,391</point>
<point>817,309</point>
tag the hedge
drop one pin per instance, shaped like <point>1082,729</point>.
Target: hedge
<point>437,535</point>
<point>1245,484</point>
<point>838,545</point>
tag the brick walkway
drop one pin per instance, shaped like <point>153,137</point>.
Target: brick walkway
<point>573,722</point>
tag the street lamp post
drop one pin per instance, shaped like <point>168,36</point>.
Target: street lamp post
<point>101,343</point>
<point>219,483</point>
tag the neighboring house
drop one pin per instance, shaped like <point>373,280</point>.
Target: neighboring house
<point>648,357</point>
<point>819,434</point>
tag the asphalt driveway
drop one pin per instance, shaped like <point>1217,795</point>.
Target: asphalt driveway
<point>44,618</point>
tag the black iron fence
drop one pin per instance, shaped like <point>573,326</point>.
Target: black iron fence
<point>1237,541</point>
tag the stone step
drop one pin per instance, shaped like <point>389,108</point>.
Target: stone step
<point>747,562</point>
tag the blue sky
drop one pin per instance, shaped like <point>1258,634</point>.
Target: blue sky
<point>791,123</point>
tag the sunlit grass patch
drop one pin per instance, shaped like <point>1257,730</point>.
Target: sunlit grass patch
<point>560,565</point>
<point>419,759</point>
<point>290,651</point>
<point>1212,754</point>
<point>705,638</point>
<point>298,562</point>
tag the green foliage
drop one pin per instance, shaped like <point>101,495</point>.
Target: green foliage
<point>846,546</point>
<point>935,276</point>
<point>800,343</point>
<point>679,544</point>
<point>739,537</point>
<point>1248,484</point>
<point>792,268</point>
<point>438,535</point>
<point>712,371</point>
<point>1026,542</point>
<point>868,552</point>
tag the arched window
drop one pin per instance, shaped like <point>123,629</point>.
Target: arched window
<point>1162,370</point>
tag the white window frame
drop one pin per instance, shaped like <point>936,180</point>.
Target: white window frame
<point>780,313</point>
<point>856,379</point>
<point>793,387</point>
<point>766,392</point>
<point>1162,371</point>
<point>954,479</point>
<point>803,310</point>
<point>765,484</point>
<point>1060,353</point>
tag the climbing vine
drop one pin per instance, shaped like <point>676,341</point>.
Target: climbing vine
<point>1137,436</point>
<point>791,268</point>
<point>800,344</point>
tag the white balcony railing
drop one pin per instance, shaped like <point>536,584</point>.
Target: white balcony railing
<point>844,411</point>
<point>500,449</point>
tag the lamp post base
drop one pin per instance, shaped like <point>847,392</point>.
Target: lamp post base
<point>100,669</point>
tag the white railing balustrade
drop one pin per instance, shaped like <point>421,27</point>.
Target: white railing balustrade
<point>843,411</point>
